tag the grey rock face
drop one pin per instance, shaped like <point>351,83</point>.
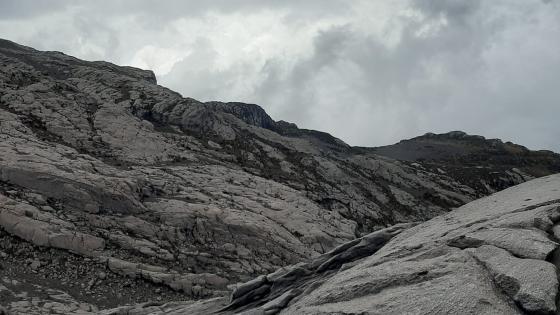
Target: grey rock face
<point>285,284</point>
<point>531,283</point>
<point>422,270</point>
<point>101,166</point>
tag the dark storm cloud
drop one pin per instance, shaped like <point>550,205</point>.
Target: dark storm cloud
<point>483,73</point>
<point>456,10</point>
<point>370,72</point>
<point>29,8</point>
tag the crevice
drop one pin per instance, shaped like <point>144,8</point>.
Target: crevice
<point>497,287</point>
<point>554,258</point>
<point>538,205</point>
<point>462,242</point>
<point>554,219</point>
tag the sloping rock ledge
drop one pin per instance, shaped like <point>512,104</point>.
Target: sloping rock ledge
<point>496,255</point>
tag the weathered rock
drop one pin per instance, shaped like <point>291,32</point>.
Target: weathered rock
<point>531,283</point>
<point>468,157</point>
<point>520,242</point>
<point>39,300</point>
<point>44,229</point>
<point>36,264</point>
<point>200,284</point>
<point>283,285</point>
<point>210,306</point>
<point>99,161</point>
<point>484,271</point>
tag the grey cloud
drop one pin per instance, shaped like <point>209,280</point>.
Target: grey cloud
<point>293,96</point>
<point>192,77</point>
<point>457,10</point>
<point>486,67</point>
<point>29,8</point>
<point>445,81</point>
<point>385,80</point>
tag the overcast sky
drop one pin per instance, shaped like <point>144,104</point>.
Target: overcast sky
<point>369,72</point>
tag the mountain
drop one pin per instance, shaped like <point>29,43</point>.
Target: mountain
<point>473,160</point>
<point>115,190</point>
<point>495,255</point>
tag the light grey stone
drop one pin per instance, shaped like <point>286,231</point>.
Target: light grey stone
<point>530,282</point>
<point>99,160</point>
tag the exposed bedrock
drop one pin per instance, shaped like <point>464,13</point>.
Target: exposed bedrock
<point>495,255</point>
<point>164,196</point>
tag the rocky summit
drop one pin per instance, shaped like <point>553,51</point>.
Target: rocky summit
<point>120,196</point>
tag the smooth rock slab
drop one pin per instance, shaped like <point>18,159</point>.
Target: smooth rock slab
<point>478,259</point>
<point>526,243</point>
<point>530,282</point>
<point>450,282</point>
<point>15,220</point>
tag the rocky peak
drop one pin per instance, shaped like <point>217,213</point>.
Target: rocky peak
<point>61,66</point>
<point>255,115</point>
<point>251,114</point>
<point>455,136</point>
<point>281,124</point>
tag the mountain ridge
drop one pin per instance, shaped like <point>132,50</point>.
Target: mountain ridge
<point>113,188</point>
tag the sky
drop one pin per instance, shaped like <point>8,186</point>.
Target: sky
<point>369,72</point>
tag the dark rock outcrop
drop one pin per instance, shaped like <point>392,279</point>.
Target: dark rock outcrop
<point>487,165</point>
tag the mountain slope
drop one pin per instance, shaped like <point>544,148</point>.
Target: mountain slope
<point>113,187</point>
<point>473,160</point>
<point>495,255</point>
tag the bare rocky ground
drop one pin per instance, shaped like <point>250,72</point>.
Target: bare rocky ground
<point>495,255</point>
<point>34,270</point>
<point>115,190</point>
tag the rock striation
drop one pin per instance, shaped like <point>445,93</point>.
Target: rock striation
<point>115,190</point>
<point>491,256</point>
<point>495,255</point>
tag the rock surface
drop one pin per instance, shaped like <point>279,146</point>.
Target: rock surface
<point>484,164</point>
<point>421,271</point>
<point>102,171</point>
<point>423,268</point>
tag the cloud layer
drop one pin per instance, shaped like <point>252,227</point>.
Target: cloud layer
<point>369,72</point>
